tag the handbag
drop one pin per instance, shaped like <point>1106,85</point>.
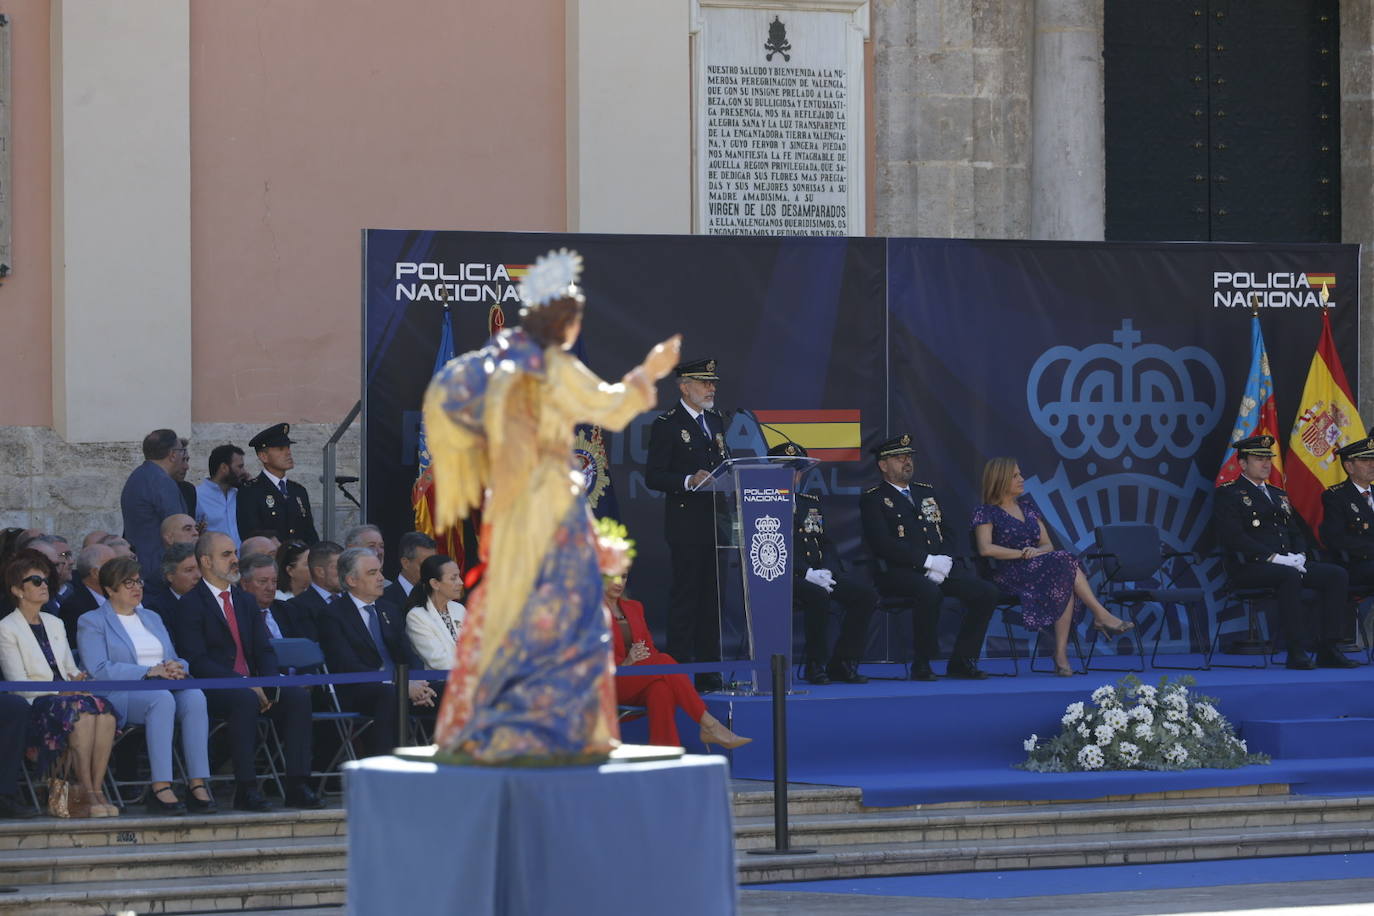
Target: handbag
<point>67,800</point>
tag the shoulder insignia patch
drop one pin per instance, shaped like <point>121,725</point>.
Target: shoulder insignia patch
<point>871,490</point>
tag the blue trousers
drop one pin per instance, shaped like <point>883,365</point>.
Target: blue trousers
<point>14,723</point>
<point>158,711</point>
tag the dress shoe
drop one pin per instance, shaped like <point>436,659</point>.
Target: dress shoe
<point>156,802</point>
<point>250,799</point>
<point>302,797</point>
<point>1332,657</point>
<point>207,805</point>
<point>846,673</point>
<point>814,673</point>
<point>965,669</point>
<point>1299,660</point>
<point>713,731</point>
<point>920,671</point>
<point>709,683</point>
<point>12,807</point>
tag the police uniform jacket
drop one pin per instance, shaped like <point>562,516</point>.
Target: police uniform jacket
<point>811,546</point>
<point>1348,521</point>
<point>678,449</point>
<point>900,532</point>
<point>262,507</point>
<point>1250,526</point>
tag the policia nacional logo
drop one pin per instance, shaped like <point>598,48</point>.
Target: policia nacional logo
<point>590,454</point>
<point>767,550</point>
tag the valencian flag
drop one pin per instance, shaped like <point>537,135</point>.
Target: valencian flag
<point>1258,413</point>
<point>1327,419</point>
<point>422,493</point>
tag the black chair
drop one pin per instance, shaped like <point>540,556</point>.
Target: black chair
<point>1135,573</point>
<point>1010,605</point>
<point>1256,640</point>
<point>306,657</point>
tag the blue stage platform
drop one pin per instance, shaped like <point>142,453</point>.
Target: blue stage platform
<point>909,743</point>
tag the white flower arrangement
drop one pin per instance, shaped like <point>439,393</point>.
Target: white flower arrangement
<point>1120,729</point>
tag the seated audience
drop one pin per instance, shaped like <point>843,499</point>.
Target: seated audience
<point>180,574</point>
<point>178,529</point>
<point>361,632</point>
<point>1051,586</point>
<point>435,617</point>
<point>293,570</point>
<point>87,595</point>
<point>217,495</point>
<point>661,694</point>
<point>14,727</point>
<point>119,545</point>
<point>309,606</point>
<point>369,536</point>
<point>72,732</point>
<point>259,543</point>
<point>121,641</point>
<point>415,547</point>
<point>259,579</point>
<point>95,537</point>
<point>222,635</point>
<point>64,567</point>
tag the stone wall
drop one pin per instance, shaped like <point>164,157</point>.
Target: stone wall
<point>1357,168</point>
<point>72,488</point>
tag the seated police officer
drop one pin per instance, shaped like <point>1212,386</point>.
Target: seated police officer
<point>903,527</point>
<point>1266,544</point>
<point>815,585</point>
<point>1348,513</point>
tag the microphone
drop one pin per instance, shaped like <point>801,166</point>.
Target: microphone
<point>751,415</point>
<point>345,480</point>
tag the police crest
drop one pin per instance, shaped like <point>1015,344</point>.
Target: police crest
<point>767,549</point>
<point>589,457</point>
<point>686,437</point>
<point>270,501</point>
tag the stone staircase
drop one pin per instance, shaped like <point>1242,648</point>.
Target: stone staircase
<point>260,863</point>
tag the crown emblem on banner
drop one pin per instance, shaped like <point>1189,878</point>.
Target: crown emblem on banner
<point>1129,399</point>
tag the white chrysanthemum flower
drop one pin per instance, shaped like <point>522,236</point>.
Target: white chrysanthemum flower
<point>1197,730</point>
<point>1091,757</point>
<point>1175,715</point>
<point>1072,714</point>
<point>1116,718</point>
<point>1245,748</point>
<point>1105,695</point>
<point>1083,730</point>
<point>1207,712</point>
<point>1148,695</point>
<point>1143,713</point>
<point>1129,753</point>
<point>1104,734</point>
<point>1143,732</point>
<point>1031,743</point>
<point>1176,753</point>
<point>1172,729</point>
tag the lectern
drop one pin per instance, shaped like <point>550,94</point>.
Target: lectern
<point>754,516</point>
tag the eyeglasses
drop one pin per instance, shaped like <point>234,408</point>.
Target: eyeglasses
<point>132,583</point>
<point>35,580</point>
<point>66,554</point>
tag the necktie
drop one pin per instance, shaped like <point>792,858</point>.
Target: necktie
<point>1369,497</point>
<point>271,623</point>
<point>375,628</point>
<point>706,430</point>
<point>909,497</point>
<point>240,660</point>
<point>1265,490</point>
<point>281,484</point>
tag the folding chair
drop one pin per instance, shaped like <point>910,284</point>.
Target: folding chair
<point>1134,562</point>
<point>1256,640</point>
<point>306,657</point>
<point>1009,606</point>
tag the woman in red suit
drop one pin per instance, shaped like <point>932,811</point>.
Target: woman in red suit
<point>661,694</point>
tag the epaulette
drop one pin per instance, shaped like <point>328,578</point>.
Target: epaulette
<point>872,489</point>
<point>1228,483</point>
<point>1334,486</point>
<point>917,483</point>
<point>811,496</point>
<point>664,416</point>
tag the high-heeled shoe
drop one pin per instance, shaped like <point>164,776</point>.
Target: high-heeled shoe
<point>713,732</point>
<point>100,805</point>
<point>1122,627</point>
<point>1063,671</point>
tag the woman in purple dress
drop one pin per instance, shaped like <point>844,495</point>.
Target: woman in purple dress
<point>1052,588</point>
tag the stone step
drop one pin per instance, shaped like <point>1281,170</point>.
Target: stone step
<point>224,894</point>
<point>802,800</point>
<point>1306,739</point>
<point>112,864</point>
<point>1133,848</point>
<point>146,830</point>
<point>973,824</point>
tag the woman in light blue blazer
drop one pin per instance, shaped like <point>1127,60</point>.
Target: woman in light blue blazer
<point>122,641</point>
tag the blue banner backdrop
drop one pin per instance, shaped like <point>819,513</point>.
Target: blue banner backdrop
<point>1112,371</point>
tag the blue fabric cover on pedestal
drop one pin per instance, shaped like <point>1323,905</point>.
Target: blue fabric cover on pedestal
<point>424,838</point>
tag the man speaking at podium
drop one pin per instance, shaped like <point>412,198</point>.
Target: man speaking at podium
<point>685,444</point>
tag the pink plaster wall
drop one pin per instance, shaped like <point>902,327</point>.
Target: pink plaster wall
<point>312,119</point>
<point>26,296</point>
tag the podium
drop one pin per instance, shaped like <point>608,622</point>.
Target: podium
<point>754,517</point>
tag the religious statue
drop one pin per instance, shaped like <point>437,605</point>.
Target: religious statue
<point>532,680</point>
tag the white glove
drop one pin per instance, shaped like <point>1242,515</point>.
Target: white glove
<point>1301,560</point>
<point>817,577</point>
<point>829,578</point>
<point>939,563</point>
<point>936,577</point>
<point>1293,560</point>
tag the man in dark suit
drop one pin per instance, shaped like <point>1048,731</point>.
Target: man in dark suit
<point>1266,545</point>
<point>361,632</point>
<point>309,606</point>
<point>685,444</point>
<point>258,577</point>
<point>270,502</point>
<point>414,547</point>
<point>904,530</point>
<point>180,574</point>
<point>1347,527</point>
<point>149,496</point>
<point>86,594</point>
<point>222,635</point>
<point>14,724</point>
<point>815,586</point>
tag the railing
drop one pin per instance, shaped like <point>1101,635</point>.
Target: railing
<point>329,477</point>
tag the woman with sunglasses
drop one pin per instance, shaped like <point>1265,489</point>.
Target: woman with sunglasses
<point>293,570</point>
<point>122,641</point>
<point>72,731</point>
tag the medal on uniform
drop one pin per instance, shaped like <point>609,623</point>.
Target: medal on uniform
<point>686,437</point>
<point>270,500</point>
<point>1246,500</point>
<point>887,502</point>
<point>930,509</point>
<point>300,505</point>
<point>1254,522</point>
<point>1354,508</point>
<point>720,442</point>
<point>901,531</point>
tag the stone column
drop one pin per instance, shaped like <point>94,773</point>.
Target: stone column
<point>1357,168</point>
<point>1068,159</point>
<point>952,117</point>
<point>121,218</point>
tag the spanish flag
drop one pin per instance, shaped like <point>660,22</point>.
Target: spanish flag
<point>1327,419</point>
<point>830,435</point>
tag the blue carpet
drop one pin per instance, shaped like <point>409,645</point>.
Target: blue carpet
<point>908,743</point>
<point>1102,879</point>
